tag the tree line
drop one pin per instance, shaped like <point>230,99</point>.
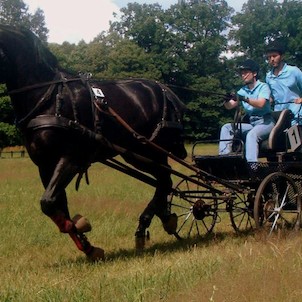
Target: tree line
<point>194,47</point>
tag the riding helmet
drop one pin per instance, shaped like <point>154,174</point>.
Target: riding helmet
<point>249,65</point>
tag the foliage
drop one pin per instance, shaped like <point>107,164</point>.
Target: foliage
<point>182,41</point>
<point>264,20</point>
<point>9,135</point>
<point>15,13</point>
<point>185,46</point>
<point>6,110</point>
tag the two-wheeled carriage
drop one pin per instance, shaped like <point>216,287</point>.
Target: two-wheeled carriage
<point>263,195</point>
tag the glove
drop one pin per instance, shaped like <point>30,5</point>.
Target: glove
<point>229,96</point>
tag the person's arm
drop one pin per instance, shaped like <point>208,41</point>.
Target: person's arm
<point>262,97</point>
<point>299,83</point>
<point>257,103</point>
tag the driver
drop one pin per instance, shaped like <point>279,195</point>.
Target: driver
<point>255,99</point>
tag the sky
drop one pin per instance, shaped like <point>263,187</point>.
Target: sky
<point>73,20</point>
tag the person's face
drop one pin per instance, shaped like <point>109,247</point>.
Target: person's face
<point>247,76</point>
<point>274,58</point>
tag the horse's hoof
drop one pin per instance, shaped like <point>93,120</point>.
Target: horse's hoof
<point>140,243</point>
<point>170,225</point>
<point>81,223</point>
<point>97,254</point>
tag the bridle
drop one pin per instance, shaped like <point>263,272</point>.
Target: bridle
<point>52,85</point>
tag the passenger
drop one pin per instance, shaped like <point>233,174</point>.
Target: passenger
<point>255,99</point>
<point>285,81</point>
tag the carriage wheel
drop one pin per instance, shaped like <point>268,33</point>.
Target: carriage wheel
<point>241,212</point>
<point>195,207</point>
<point>277,203</point>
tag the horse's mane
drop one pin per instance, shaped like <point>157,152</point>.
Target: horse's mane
<point>41,55</point>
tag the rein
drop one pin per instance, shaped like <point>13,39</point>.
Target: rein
<point>40,85</point>
<point>205,92</point>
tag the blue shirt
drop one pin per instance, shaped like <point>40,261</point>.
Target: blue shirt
<point>260,90</point>
<point>285,88</point>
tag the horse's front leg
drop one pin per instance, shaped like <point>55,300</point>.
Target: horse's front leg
<point>54,205</point>
<point>157,206</point>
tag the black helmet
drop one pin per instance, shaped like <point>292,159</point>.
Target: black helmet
<point>249,65</point>
<point>275,46</point>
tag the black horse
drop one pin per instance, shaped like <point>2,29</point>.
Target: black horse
<point>69,122</point>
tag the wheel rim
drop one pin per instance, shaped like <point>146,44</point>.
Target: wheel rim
<point>195,207</point>
<point>277,204</point>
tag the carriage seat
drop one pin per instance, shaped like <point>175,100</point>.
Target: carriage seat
<point>277,140</point>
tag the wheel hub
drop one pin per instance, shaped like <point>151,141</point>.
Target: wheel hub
<point>269,208</point>
<point>201,209</point>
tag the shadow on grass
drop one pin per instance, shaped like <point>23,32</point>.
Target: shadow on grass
<point>171,246</point>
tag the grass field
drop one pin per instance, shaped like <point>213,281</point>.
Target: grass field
<point>40,264</point>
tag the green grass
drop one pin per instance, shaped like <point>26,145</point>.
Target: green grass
<point>40,264</point>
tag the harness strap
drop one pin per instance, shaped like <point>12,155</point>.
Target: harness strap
<point>164,123</point>
<point>39,85</point>
<point>52,121</point>
<point>177,112</point>
<point>45,98</point>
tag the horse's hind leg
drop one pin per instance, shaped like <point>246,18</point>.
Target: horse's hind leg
<point>54,204</point>
<point>157,206</point>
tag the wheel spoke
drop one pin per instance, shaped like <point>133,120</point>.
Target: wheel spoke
<point>277,203</point>
<point>240,212</point>
<point>195,207</point>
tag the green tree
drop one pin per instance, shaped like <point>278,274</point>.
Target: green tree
<point>129,60</point>
<point>37,24</point>
<point>185,43</point>
<point>15,13</point>
<point>263,20</point>
<point>199,34</point>
<point>9,134</point>
<point>143,24</point>
<point>199,39</point>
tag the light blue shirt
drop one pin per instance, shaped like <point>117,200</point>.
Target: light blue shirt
<point>285,88</point>
<point>261,90</point>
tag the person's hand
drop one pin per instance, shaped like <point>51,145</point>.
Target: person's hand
<point>229,96</point>
<point>298,101</point>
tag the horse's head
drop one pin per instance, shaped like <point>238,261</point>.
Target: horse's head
<point>23,58</point>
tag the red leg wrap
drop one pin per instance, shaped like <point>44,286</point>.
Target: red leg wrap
<point>67,226</point>
<point>81,242</point>
<point>64,225</point>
